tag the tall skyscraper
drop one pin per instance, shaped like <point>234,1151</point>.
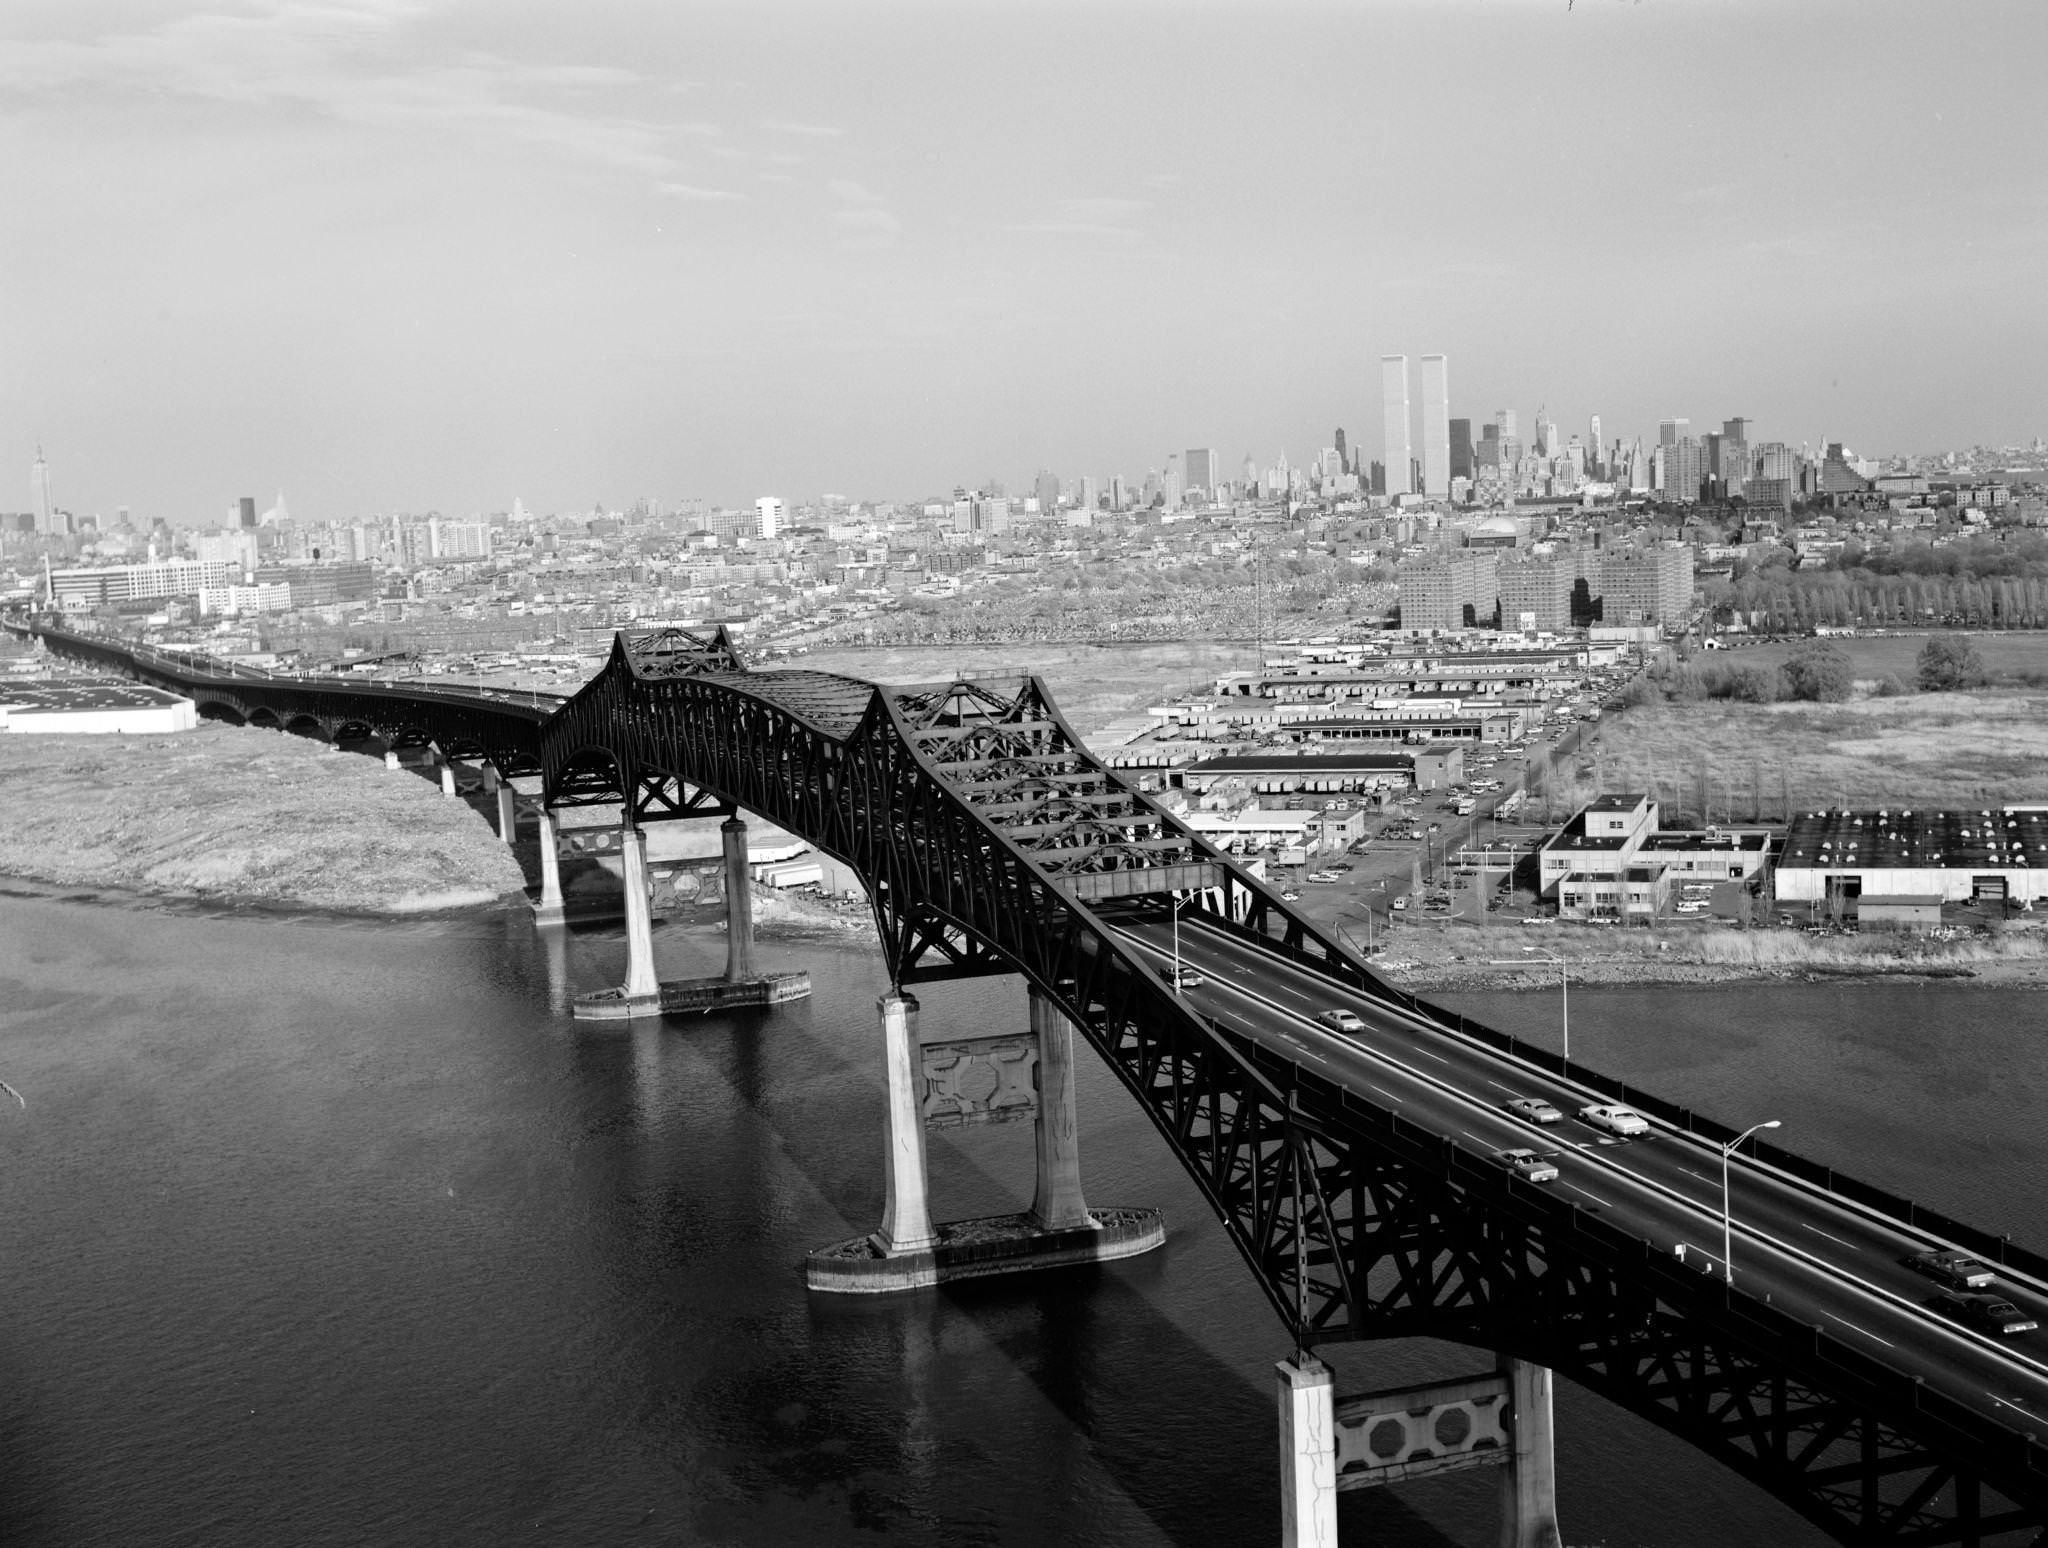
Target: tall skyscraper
<point>1671,431</point>
<point>245,508</point>
<point>767,516</point>
<point>1436,426</point>
<point>1202,470</point>
<point>1343,456</point>
<point>1461,448</point>
<point>39,493</point>
<point>1597,449</point>
<point>1394,422</point>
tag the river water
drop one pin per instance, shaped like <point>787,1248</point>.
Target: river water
<point>316,1231</point>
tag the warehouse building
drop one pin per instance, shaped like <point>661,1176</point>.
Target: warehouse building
<point>1841,856</point>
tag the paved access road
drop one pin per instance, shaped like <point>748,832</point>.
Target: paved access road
<point>1823,1259</point>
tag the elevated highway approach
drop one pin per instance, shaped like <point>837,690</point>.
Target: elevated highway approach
<point>1354,1172</point>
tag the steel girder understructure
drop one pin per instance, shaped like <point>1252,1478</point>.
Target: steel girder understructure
<point>992,842</point>
<point>502,730</point>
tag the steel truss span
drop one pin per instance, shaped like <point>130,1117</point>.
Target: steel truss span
<point>991,841</point>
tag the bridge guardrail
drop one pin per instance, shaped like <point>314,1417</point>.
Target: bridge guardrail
<point>1909,1213</point>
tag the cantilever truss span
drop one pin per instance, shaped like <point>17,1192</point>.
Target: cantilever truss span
<point>992,841</point>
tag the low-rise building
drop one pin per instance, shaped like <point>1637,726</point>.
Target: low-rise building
<point>1843,857</point>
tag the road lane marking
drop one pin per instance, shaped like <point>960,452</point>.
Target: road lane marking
<point>2018,1403</point>
<point>1845,1322</point>
<point>1888,1299</point>
<point>1499,1087</point>
<point>1440,1059</point>
<point>1817,1231</point>
<point>1593,1196</point>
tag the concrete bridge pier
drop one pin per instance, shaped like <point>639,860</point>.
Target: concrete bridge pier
<point>1056,1205</point>
<point>1528,1487</point>
<point>1329,1444</point>
<point>447,769</point>
<point>739,906</point>
<point>906,1195</point>
<point>508,807</point>
<point>741,985</point>
<point>952,1081</point>
<point>641,985</point>
<point>392,763</point>
<point>547,909</point>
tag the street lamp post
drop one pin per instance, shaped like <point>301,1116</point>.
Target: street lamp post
<point>1727,1223</point>
<point>1177,902</point>
<point>1564,994</point>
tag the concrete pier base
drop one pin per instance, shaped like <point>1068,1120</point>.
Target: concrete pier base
<point>971,1249</point>
<point>392,765</point>
<point>682,996</point>
<point>447,779</point>
<point>640,994</point>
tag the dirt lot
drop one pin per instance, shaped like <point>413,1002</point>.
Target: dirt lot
<point>233,812</point>
<point>1951,749</point>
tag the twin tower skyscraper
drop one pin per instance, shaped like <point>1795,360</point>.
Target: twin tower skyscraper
<point>1431,474</point>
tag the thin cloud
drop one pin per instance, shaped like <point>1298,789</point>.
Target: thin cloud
<point>791,126</point>
<point>1100,218</point>
<point>347,60</point>
<point>865,229</point>
<point>699,195</point>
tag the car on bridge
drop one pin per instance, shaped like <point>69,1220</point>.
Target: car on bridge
<point>1181,978</point>
<point>1957,1270</point>
<point>1341,1021</point>
<point>1527,1165</point>
<point>1615,1119</point>
<point>1992,1314</point>
<point>1534,1109</point>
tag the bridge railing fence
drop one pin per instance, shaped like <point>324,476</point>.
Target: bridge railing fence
<point>1998,1249</point>
<point>1914,1216</point>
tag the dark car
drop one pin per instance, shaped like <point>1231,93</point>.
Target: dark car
<point>1535,1109</point>
<point>1956,1270</point>
<point>1992,1314</point>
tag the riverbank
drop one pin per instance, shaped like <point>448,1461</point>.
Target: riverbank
<point>231,813</point>
<point>1426,957</point>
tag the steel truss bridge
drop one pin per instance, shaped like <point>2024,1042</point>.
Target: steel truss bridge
<point>992,842</point>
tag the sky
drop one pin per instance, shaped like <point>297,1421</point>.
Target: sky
<point>441,254</point>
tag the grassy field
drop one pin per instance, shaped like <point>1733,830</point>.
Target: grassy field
<point>1950,749</point>
<point>2019,655</point>
<point>1092,684</point>
<point>240,813</point>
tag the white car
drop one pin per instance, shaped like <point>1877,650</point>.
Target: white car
<point>1615,1119</point>
<point>1341,1021</point>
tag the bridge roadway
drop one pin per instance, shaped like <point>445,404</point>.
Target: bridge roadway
<point>1825,1259</point>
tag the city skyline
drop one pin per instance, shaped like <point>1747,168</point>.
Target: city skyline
<point>413,256</point>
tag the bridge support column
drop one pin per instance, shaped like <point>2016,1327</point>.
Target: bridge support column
<point>1308,1454</point>
<point>508,807</point>
<point>1057,1204</point>
<point>641,984</point>
<point>974,1077</point>
<point>1528,1486</point>
<point>547,909</point>
<point>392,765</point>
<point>739,905</point>
<point>906,1204</point>
<point>447,776</point>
